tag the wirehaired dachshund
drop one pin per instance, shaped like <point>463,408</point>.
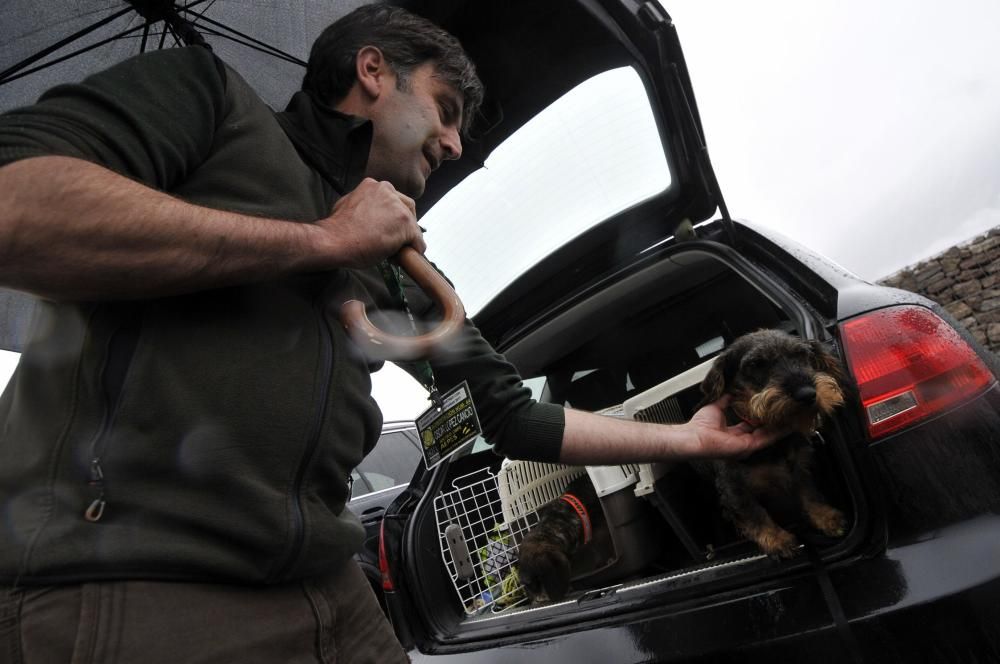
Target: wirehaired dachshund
<point>781,381</point>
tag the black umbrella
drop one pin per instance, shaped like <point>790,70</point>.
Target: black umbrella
<point>266,41</point>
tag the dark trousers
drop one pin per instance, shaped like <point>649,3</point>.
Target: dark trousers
<point>335,619</point>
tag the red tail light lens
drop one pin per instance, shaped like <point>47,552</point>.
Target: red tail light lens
<point>909,365</point>
<point>383,560</point>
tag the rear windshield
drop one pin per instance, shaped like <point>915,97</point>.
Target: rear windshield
<point>591,154</point>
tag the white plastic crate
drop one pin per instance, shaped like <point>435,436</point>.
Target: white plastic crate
<point>659,404</point>
<point>526,485</point>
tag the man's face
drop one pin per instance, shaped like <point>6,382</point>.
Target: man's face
<point>414,130</point>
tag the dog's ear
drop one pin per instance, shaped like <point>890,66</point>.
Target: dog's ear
<point>713,386</point>
<point>825,361</point>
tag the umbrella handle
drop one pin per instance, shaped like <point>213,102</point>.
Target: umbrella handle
<point>384,346</point>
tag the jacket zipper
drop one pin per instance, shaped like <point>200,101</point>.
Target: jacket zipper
<point>121,347</point>
<point>95,479</point>
<point>312,442</point>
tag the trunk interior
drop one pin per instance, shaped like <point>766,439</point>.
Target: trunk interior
<point>636,348</point>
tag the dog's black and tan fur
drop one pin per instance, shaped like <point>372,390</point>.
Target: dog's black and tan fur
<point>780,381</point>
<point>546,552</point>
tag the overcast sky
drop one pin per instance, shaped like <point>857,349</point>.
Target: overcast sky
<point>867,131</point>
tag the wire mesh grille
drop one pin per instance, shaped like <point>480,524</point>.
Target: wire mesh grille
<point>479,550</point>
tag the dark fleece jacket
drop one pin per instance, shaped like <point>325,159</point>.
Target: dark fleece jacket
<point>216,429</point>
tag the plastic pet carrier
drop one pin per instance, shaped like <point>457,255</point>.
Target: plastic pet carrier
<point>484,516</point>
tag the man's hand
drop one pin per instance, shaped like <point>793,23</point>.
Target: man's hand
<point>711,437</point>
<point>370,223</point>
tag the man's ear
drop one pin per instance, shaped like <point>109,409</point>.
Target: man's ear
<point>371,68</point>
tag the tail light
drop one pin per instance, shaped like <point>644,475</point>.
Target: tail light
<point>909,365</point>
<point>383,560</point>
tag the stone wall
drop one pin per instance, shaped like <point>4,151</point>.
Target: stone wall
<point>966,281</point>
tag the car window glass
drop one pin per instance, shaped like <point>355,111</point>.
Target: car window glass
<point>379,481</point>
<point>390,464</point>
<point>359,485</point>
<point>593,153</point>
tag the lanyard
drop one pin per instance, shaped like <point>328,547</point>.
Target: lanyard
<point>393,281</point>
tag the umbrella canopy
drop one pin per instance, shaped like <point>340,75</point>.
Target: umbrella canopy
<point>266,41</point>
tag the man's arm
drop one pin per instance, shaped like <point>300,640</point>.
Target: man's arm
<point>520,427</point>
<point>590,439</point>
<point>70,229</point>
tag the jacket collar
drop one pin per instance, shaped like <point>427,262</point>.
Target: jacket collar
<point>335,144</point>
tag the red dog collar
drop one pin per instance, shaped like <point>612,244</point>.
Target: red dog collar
<point>581,511</point>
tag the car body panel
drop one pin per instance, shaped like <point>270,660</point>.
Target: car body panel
<point>882,597</point>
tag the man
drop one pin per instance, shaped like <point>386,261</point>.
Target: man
<point>177,437</point>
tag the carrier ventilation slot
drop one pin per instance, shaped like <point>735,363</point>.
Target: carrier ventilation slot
<point>667,411</point>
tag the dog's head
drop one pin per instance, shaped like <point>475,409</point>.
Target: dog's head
<point>777,379</point>
<point>543,569</point>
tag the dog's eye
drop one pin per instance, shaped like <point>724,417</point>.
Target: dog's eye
<point>752,364</point>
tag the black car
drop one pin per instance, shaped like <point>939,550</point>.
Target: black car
<point>624,319</point>
<point>380,478</point>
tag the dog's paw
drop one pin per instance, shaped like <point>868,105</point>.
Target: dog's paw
<point>777,542</point>
<point>543,569</point>
<point>828,520</point>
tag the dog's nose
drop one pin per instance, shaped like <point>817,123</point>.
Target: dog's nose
<point>805,395</point>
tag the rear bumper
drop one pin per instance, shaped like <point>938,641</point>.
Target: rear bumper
<point>932,600</point>
<point>937,599</point>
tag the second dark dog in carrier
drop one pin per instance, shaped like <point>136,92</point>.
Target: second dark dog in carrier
<point>565,525</point>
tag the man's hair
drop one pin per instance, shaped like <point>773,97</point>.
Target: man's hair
<point>406,41</point>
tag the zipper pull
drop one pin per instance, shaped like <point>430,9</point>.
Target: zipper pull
<point>96,509</point>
